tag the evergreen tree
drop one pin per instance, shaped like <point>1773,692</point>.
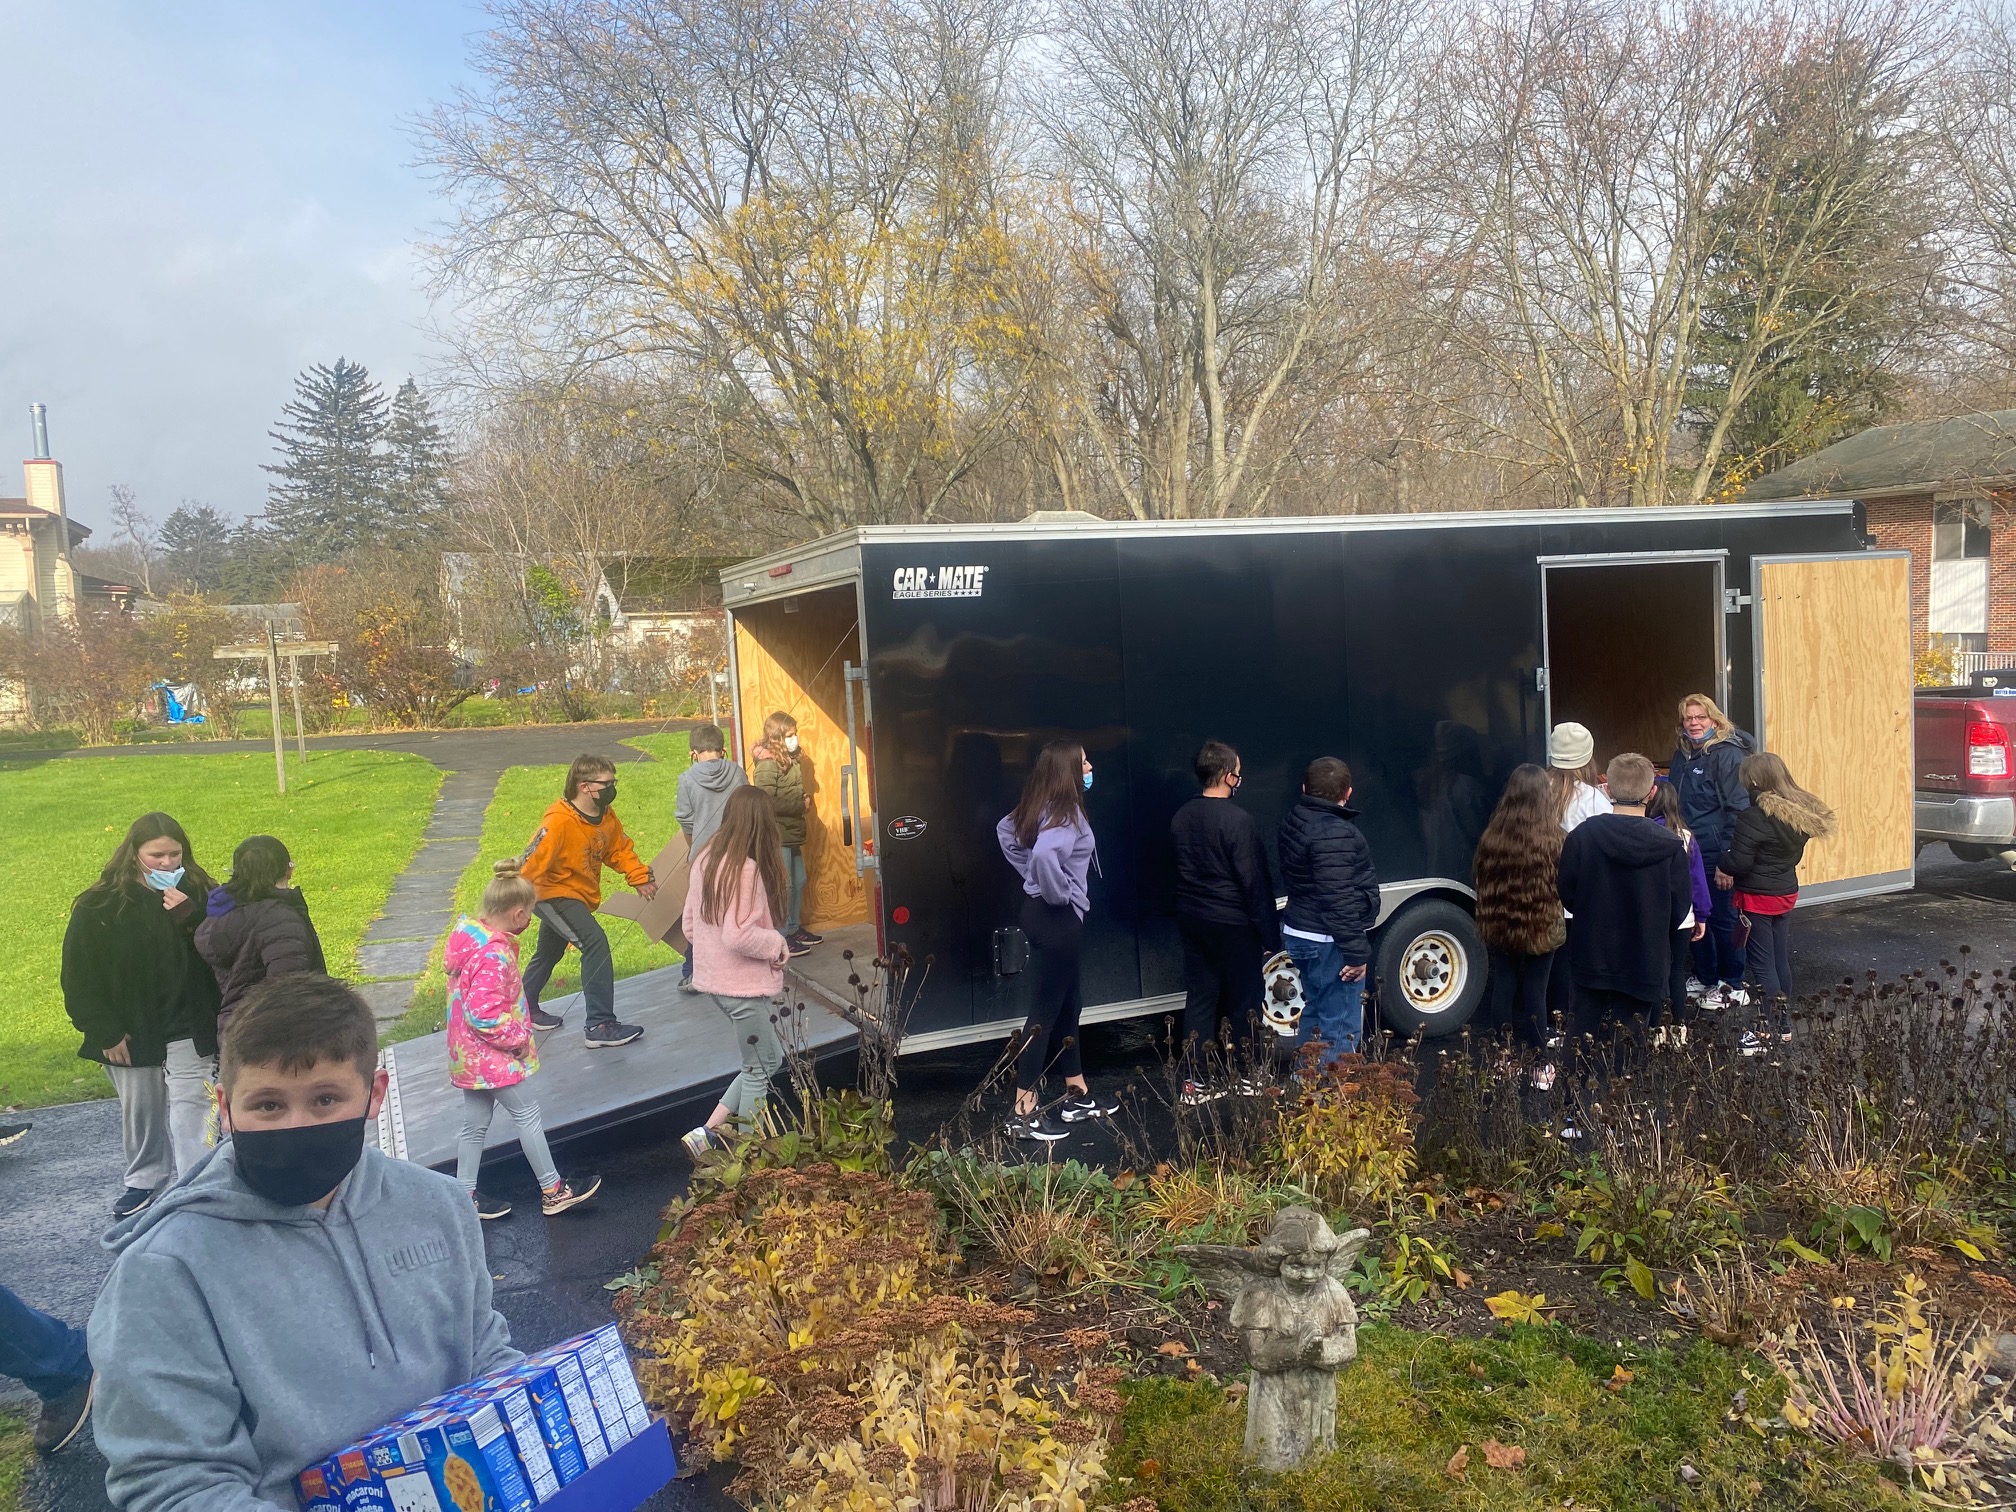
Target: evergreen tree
<point>256,568</point>
<point>416,465</point>
<point>1831,190</point>
<point>195,545</point>
<point>328,493</point>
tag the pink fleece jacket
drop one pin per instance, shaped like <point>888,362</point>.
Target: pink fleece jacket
<point>490,1041</point>
<point>742,955</point>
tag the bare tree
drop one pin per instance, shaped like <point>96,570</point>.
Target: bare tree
<point>1977,122</point>
<point>1225,163</point>
<point>790,204</point>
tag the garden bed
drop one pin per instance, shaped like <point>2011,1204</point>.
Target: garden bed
<point>1746,1285</point>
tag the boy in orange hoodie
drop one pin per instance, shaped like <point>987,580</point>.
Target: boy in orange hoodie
<point>579,836</point>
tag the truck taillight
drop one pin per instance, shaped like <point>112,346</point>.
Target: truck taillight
<point>1987,750</point>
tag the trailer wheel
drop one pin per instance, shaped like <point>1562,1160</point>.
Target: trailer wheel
<point>1430,965</point>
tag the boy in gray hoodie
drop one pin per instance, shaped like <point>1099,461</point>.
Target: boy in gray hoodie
<point>296,1290</point>
<point>701,797</point>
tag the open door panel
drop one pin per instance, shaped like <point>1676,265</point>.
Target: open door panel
<point>1833,640</point>
<point>791,656</point>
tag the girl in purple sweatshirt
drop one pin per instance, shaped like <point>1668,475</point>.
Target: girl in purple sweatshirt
<point>1048,840</point>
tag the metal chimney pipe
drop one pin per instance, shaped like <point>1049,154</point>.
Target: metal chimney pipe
<point>40,415</point>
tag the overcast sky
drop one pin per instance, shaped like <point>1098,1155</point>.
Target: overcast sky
<point>196,202</point>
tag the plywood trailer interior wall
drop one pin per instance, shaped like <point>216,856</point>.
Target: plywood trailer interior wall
<point>791,655</point>
<point>1624,641</point>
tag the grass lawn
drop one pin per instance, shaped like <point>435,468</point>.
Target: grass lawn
<point>644,803</point>
<point>1597,1427</point>
<point>17,1453</point>
<point>352,823</point>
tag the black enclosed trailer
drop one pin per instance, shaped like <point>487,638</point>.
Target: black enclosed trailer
<point>926,666</point>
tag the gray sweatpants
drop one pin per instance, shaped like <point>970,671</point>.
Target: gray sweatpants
<point>518,1101</point>
<point>163,1112</point>
<point>756,1039</point>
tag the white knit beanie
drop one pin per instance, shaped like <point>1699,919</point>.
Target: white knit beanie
<point>1571,747</point>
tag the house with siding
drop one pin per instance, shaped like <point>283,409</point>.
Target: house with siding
<point>1945,491</point>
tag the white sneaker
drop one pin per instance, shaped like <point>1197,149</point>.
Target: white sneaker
<point>1570,1132</point>
<point>1751,1044</point>
<point>1736,997</point>
<point>1696,988</point>
<point>1542,1078</point>
<point>1713,1000</point>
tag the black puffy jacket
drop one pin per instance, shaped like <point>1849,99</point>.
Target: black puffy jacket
<point>1221,869</point>
<point>247,943</point>
<point>1327,868</point>
<point>1770,842</point>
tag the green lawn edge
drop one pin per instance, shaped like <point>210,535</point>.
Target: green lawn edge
<point>354,820</point>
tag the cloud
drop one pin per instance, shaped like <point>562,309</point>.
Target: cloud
<point>200,201</point>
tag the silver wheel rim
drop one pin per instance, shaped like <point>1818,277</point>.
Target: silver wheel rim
<point>1434,972</point>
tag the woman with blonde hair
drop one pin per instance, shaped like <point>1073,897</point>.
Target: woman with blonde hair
<point>734,901</point>
<point>1763,860</point>
<point>1706,756</point>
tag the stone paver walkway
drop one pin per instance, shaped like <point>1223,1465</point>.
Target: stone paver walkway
<point>422,902</point>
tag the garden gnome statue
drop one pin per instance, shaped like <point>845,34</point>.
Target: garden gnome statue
<point>1290,1305</point>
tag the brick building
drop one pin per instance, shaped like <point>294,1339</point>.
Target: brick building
<point>1945,491</point>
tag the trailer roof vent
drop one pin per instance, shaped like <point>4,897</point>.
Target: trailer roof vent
<point>1061,517</point>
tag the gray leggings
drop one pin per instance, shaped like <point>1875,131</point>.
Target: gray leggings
<point>523,1107</point>
<point>756,1039</point>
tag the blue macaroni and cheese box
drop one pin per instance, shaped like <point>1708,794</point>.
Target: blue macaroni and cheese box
<point>504,1443</point>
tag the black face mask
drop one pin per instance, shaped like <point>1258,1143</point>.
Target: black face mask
<point>297,1166</point>
<point>608,797</point>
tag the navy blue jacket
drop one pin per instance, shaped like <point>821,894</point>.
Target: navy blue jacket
<point>1327,868</point>
<point>1711,796</point>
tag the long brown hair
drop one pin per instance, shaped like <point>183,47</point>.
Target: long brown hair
<point>1054,795</point>
<point>1770,784</point>
<point>1518,858</point>
<point>1562,782</point>
<point>122,872</point>
<point>748,832</point>
<point>1663,802</point>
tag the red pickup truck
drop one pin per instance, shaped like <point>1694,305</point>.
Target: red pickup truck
<point>1966,770</point>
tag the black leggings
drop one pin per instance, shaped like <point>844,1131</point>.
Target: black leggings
<point>1057,934</point>
<point>1675,1010</point>
<point>1769,958</point>
<point>1519,994</point>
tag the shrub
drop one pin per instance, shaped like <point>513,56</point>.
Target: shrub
<point>1062,1224</point>
<point>1641,1204</point>
<point>1901,1386</point>
<point>1349,1138</point>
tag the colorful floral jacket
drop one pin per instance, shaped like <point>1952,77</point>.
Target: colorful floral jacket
<point>489,1029</point>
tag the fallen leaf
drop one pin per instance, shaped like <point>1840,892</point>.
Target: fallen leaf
<point>1503,1456</point>
<point>1689,1474</point>
<point>1550,1230</point>
<point>1462,1277</point>
<point>1192,1366</point>
<point>1619,1379</point>
<point>1123,1181</point>
<point>1148,1469</point>
<point>1173,1348</point>
<point>1459,1462</point>
<point>1477,1370</point>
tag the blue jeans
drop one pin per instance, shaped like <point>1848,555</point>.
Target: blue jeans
<point>1716,956</point>
<point>1332,1010</point>
<point>43,1353</point>
<point>794,870</point>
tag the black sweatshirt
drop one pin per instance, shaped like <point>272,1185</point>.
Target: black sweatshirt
<point>1627,882</point>
<point>1221,869</point>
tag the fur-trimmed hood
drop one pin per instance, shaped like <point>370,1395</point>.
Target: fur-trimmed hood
<point>1812,819</point>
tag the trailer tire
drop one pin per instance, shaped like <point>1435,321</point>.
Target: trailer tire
<point>1430,963</point>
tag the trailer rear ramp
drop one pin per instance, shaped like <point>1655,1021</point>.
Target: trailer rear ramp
<point>687,1052</point>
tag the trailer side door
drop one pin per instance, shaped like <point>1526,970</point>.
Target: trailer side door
<point>1833,649</point>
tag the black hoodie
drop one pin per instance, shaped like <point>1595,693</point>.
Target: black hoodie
<point>1626,881</point>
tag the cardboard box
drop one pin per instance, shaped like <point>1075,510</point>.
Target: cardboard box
<point>556,1423</point>
<point>356,1488</point>
<point>450,1461</point>
<point>594,1368</point>
<point>617,1356</point>
<point>314,1488</point>
<point>513,1405</point>
<point>581,1414</point>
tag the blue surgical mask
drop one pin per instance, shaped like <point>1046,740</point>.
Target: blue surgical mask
<point>1088,782</point>
<point>161,881</point>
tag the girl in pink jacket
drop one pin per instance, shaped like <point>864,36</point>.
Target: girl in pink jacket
<point>490,1046</point>
<point>733,904</point>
